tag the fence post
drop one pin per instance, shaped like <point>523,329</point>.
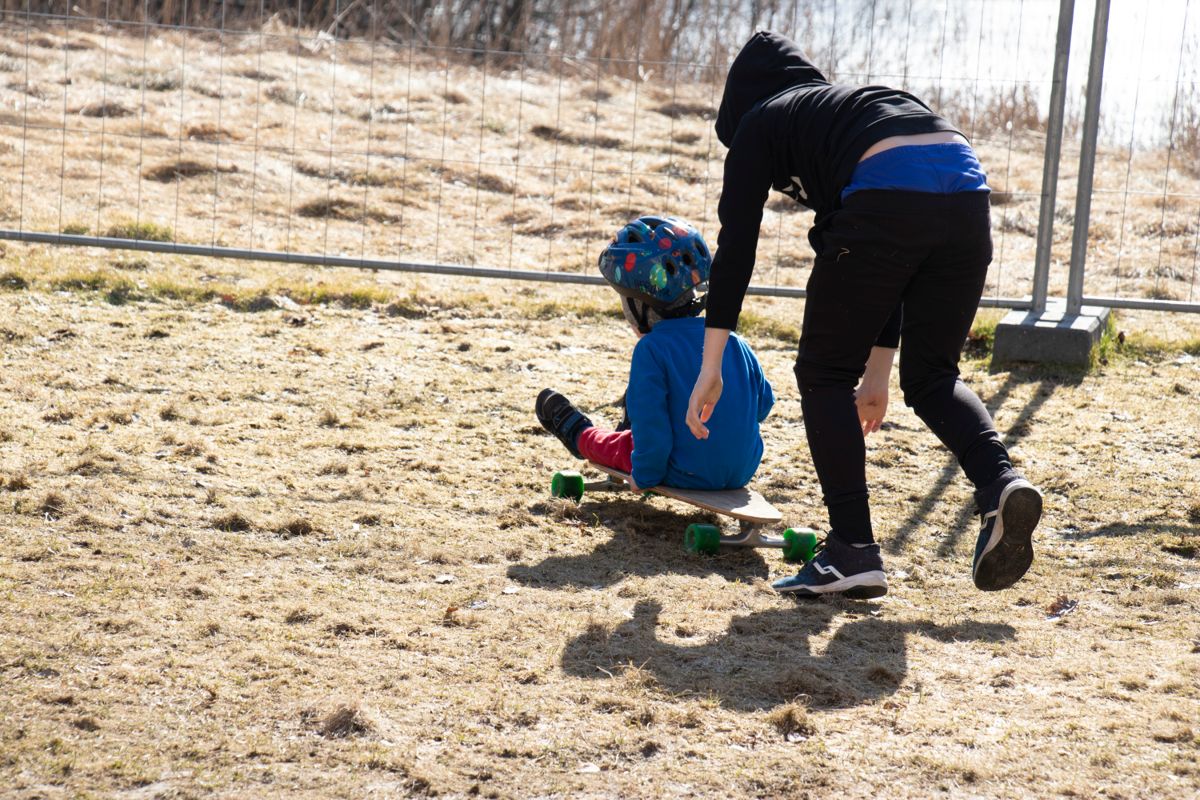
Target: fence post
<point>1054,135</point>
<point>1054,331</point>
<point>1087,159</point>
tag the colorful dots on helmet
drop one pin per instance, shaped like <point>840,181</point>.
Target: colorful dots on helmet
<point>656,260</point>
<point>658,276</point>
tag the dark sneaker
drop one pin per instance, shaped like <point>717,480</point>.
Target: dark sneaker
<point>564,420</point>
<point>1005,547</point>
<point>838,568</point>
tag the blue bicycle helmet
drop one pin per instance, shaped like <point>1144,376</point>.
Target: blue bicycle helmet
<point>662,262</point>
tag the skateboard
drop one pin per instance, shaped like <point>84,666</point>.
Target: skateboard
<point>748,507</point>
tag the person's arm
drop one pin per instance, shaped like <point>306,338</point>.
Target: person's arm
<point>890,335</point>
<point>646,403</point>
<point>746,182</point>
<point>707,390</point>
<point>744,189</point>
<point>871,397</point>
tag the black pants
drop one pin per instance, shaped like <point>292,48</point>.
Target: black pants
<point>929,253</point>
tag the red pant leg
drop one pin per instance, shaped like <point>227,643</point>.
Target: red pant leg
<point>610,448</point>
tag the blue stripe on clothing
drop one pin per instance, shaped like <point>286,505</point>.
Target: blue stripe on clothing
<point>946,168</point>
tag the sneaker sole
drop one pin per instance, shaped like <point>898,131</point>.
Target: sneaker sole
<point>865,586</point>
<point>1009,556</point>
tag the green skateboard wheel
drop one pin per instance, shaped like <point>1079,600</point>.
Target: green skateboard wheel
<point>567,483</point>
<point>699,538</point>
<point>799,546</point>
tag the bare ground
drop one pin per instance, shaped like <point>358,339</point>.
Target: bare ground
<point>311,553</point>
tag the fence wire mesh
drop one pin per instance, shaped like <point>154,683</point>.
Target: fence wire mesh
<point>1144,231</point>
<point>380,133</point>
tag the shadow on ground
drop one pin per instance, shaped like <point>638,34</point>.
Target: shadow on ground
<point>764,659</point>
<point>646,539</point>
<point>951,472</point>
<point>1119,529</point>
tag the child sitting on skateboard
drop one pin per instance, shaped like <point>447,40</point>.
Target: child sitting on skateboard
<point>660,267</point>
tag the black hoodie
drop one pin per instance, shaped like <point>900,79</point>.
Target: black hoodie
<point>788,128</point>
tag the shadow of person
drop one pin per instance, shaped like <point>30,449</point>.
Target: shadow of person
<point>764,659</point>
<point>950,472</point>
<point>646,539</point>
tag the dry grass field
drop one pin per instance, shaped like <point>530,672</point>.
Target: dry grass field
<point>269,531</point>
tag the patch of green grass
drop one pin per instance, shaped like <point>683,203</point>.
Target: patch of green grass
<point>187,292</point>
<point>76,229</point>
<point>981,339</point>
<point>117,290</point>
<point>1147,347</point>
<point>359,297</point>
<point>582,309</point>
<point>751,323</point>
<point>143,231</point>
<point>79,280</point>
<point>1110,342</point>
<point>1117,345</point>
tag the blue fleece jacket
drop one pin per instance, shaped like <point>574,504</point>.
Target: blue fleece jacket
<point>663,371</point>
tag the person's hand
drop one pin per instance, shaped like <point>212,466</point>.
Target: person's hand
<point>633,487</point>
<point>871,396</point>
<point>872,401</point>
<point>705,395</point>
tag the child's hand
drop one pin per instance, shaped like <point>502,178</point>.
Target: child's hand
<point>705,395</point>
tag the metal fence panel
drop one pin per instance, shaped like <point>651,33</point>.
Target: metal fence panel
<point>1140,246</point>
<point>232,134</point>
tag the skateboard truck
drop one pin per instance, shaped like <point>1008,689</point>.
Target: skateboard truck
<point>798,544</point>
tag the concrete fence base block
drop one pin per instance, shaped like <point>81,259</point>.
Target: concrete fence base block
<point>1052,336</point>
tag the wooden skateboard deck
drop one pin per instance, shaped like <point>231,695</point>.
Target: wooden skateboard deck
<point>741,504</point>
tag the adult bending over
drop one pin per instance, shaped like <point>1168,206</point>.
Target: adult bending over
<point>903,241</point>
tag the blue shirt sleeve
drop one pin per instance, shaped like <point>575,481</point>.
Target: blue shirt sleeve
<point>646,401</point>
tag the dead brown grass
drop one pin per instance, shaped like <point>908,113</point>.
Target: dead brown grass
<point>400,604</point>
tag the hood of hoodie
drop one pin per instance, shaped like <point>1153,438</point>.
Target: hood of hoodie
<point>767,65</point>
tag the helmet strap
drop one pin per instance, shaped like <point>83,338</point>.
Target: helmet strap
<point>691,309</point>
<point>640,313</point>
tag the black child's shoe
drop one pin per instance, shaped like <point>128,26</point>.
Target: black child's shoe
<point>564,420</point>
<point>1004,550</point>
